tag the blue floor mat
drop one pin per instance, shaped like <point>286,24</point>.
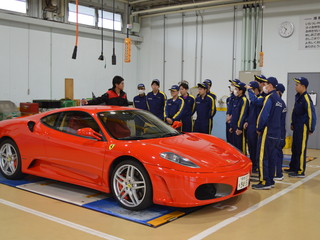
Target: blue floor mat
<point>154,216</point>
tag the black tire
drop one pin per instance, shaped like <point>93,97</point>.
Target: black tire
<point>10,160</point>
<point>132,190</point>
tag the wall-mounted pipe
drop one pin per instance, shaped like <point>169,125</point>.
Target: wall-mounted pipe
<point>234,43</point>
<point>252,35</point>
<point>182,47</point>
<point>189,5</point>
<point>62,8</point>
<point>243,45</point>
<point>164,53</point>
<point>196,51</point>
<point>203,8</point>
<point>201,48</point>
<point>248,43</point>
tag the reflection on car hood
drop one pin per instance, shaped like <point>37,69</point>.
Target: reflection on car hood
<point>204,150</point>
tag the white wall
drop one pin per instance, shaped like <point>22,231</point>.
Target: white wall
<point>38,58</point>
<point>281,55</point>
<point>35,60</point>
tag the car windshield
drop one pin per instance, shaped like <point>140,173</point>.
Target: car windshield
<point>135,125</point>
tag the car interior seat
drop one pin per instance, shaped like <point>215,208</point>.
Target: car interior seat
<point>117,127</point>
<point>75,123</point>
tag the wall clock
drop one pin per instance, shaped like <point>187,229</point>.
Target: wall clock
<point>286,29</point>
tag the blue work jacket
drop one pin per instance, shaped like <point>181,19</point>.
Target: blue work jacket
<point>140,102</point>
<point>240,107</point>
<point>270,115</point>
<point>304,112</point>
<point>156,103</point>
<point>204,107</point>
<point>174,109</point>
<point>189,106</point>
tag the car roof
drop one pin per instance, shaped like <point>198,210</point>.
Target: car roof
<point>90,108</point>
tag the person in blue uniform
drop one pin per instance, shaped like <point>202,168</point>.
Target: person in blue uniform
<point>140,101</point>
<point>279,155</point>
<point>204,110</point>
<point>262,81</point>
<point>156,99</point>
<point>250,125</point>
<point>238,117</point>
<point>189,108</point>
<point>229,102</point>
<point>303,122</point>
<point>213,95</point>
<point>174,106</point>
<point>269,131</point>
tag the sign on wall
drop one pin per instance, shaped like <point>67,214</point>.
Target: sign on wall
<point>309,37</point>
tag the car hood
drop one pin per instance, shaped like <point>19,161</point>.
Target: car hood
<point>208,152</point>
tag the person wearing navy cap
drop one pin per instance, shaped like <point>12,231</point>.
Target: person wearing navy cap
<point>189,107</point>
<point>303,122</point>
<point>140,101</point>
<point>279,153</point>
<point>250,125</point>
<point>238,116</point>
<point>262,81</point>
<point>269,131</point>
<point>156,99</point>
<point>204,110</point>
<point>214,97</point>
<point>229,102</point>
<point>173,109</point>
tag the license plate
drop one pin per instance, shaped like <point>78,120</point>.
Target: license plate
<point>243,182</point>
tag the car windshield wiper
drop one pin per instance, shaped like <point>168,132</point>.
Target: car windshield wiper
<point>168,135</point>
<point>132,138</point>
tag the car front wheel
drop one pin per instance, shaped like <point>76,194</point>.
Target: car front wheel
<point>10,160</point>
<point>131,185</point>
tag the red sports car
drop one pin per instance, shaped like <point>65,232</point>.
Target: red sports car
<point>126,151</point>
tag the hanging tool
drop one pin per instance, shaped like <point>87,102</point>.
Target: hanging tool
<point>74,55</point>
<point>261,60</point>
<point>101,57</point>
<point>127,41</point>
<point>114,60</point>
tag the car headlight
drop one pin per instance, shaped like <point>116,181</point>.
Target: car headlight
<point>178,159</point>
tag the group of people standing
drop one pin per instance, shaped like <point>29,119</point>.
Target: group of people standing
<point>180,107</point>
<point>260,125</point>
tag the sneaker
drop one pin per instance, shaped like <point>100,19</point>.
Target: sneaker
<point>288,170</point>
<point>278,178</point>
<point>296,175</point>
<point>261,187</point>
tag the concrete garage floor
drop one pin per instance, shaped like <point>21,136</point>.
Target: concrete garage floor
<point>291,210</point>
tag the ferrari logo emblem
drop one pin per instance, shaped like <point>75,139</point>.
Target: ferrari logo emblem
<point>111,146</point>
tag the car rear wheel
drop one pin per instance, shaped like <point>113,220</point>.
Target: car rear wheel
<point>131,185</point>
<point>10,160</point>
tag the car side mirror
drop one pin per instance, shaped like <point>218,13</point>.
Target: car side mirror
<point>176,124</point>
<point>89,132</point>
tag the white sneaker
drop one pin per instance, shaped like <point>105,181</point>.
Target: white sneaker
<point>278,178</point>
